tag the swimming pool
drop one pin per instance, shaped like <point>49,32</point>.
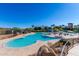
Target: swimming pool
<point>27,40</point>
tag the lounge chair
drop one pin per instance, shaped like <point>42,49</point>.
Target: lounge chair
<point>54,50</point>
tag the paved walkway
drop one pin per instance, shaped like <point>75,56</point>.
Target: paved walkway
<point>74,51</point>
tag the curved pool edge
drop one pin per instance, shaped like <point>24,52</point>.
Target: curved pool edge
<point>29,44</point>
<point>4,41</point>
<point>36,44</point>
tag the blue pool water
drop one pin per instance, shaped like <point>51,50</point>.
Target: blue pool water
<point>27,40</point>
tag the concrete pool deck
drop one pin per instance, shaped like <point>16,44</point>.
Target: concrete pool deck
<point>23,51</point>
<point>74,51</point>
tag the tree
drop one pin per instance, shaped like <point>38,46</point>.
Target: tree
<point>5,30</point>
<point>52,25</point>
<point>33,27</point>
<point>57,28</point>
<point>16,30</point>
<point>76,30</point>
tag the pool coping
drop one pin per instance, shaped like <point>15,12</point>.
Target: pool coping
<point>28,45</point>
<point>2,42</point>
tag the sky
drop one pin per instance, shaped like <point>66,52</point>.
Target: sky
<point>27,14</point>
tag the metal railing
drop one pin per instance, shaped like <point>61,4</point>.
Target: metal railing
<point>63,48</point>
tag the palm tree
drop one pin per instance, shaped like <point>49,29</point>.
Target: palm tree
<point>52,25</point>
<point>33,26</point>
<point>63,25</point>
